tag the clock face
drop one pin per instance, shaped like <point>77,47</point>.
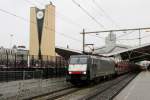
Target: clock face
<point>40,14</point>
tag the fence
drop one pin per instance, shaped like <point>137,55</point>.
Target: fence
<point>31,61</point>
<point>15,65</point>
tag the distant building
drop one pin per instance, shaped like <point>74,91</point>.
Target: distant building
<point>110,45</point>
<point>42,31</point>
<point>20,50</point>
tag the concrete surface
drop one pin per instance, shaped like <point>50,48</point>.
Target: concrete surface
<point>137,89</point>
<point>26,88</point>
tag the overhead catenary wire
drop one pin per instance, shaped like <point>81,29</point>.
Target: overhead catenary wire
<point>2,10</point>
<point>128,39</point>
<point>68,20</point>
<point>26,20</point>
<point>85,11</point>
<point>140,56</point>
<point>97,36</point>
<point>51,29</point>
<point>136,38</point>
<point>64,18</point>
<point>146,36</point>
<point>71,21</point>
<point>29,2</point>
<point>105,13</point>
<point>40,2</point>
<point>12,14</point>
<point>106,16</point>
<point>125,34</point>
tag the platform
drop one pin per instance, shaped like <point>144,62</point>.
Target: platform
<point>137,89</point>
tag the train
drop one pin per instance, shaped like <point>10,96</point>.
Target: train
<point>89,68</point>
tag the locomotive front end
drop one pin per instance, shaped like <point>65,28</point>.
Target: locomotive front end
<point>77,69</point>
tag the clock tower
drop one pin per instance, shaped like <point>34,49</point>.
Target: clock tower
<point>42,31</point>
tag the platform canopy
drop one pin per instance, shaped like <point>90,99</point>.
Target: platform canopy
<point>134,54</point>
<point>66,52</point>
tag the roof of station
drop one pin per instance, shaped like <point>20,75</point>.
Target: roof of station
<point>66,52</point>
<point>135,54</point>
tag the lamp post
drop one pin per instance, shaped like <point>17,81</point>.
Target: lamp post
<point>11,38</point>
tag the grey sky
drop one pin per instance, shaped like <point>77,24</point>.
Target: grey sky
<point>70,20</point>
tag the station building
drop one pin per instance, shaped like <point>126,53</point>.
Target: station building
<point>18,50</point>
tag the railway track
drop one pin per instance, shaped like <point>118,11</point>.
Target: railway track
<point>104,91</point>
<point>109,90</point>
<point>56,94</point>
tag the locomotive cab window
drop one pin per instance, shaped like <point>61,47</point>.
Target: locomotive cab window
<point>78,60</point>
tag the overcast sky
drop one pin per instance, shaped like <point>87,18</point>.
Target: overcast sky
<point>70,20</point>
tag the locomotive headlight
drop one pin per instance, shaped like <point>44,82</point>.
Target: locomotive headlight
<point>70,72</point>
<point>84,72</point>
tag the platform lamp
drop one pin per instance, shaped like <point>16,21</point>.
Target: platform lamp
<point>11,38</point>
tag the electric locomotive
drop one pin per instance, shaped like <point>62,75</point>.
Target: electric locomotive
<point>87,68</point>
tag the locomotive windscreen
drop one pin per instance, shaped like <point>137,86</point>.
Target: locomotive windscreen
<point>78,60</point>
